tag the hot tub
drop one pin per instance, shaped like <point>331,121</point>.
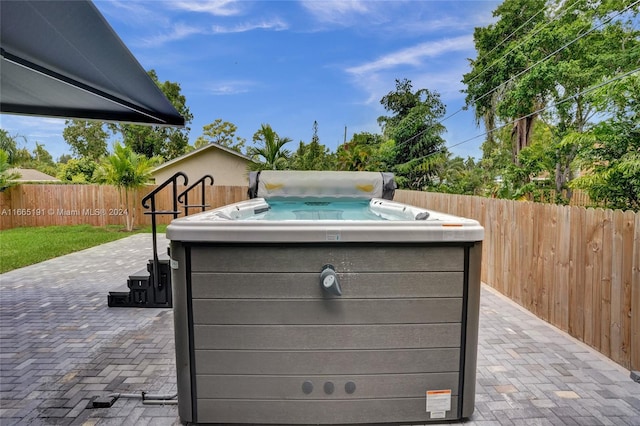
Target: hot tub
<point>320,302</point>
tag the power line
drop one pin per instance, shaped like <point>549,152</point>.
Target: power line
<point>559,50</point>
<point>529,68</point>
<point>567,98</point>
<point>528,37</point>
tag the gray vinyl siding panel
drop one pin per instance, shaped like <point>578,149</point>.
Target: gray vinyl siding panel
<point>313,337</point>
<point>326,312</point>
<point>297,285</point>
<point>390,361</point>
<point>388,410</point>
<point>290,387</point>
<point>289,259</point>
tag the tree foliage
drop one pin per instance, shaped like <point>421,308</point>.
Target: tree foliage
<point>6,176</point>
<point>126,170</point>
<point>270,149</point>
<point>312,156</point>
<point>86,138</point>
<point>540,62</point>
<point>365,152</point>
<point>415,126</point>
<point>9,145</point>
<point>157,141</point>
<point>458,176</point>
<point>610,155</point>
<point>78,170</point>
<point>223,133</point>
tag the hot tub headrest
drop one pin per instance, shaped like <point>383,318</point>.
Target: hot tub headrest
<point>301,184</point>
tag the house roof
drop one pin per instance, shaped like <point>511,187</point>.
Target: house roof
<point>200,150</point>
<point>62,59</point>
<point>32,175</point>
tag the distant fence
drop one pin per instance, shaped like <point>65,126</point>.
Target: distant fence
<point>576,268</point>
<point>98,205</point>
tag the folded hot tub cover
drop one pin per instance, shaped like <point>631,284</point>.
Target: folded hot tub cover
<point>329,184</point>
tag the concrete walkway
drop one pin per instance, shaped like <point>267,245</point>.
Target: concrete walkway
<point>60,345</point>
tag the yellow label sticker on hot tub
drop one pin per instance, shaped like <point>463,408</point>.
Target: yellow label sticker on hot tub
<point>438,403</point>
<point>273,186</point>
<point>365,188</point>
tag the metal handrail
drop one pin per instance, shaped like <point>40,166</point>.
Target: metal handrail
<point>184,194</point>
<point>152,196</point>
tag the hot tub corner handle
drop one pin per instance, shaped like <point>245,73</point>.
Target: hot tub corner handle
<point>329,280</point>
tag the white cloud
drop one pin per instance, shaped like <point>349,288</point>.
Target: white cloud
<point>229,87</point>
<point>212,7</point>
<point>276,25</point>
<point>134,14</point>
<point>32,127</point>
<point>413,55</point>
<point>364,14</point>
<point>180,31</point>
<point>177,31</point>
<point>336,10</point>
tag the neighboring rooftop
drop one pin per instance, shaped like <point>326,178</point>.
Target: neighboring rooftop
<point>32,175</point>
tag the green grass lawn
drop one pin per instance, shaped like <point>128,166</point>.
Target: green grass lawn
<point>25,246</point>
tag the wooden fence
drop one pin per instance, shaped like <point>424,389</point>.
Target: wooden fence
<point>98,205</point>
<point>576,268</point>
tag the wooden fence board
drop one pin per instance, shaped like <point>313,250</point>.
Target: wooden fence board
<point>605,283</point>
<point>628,249</point>
<point>563,254</point>
<point>577,273</point>
<point>635,298</point>
<point>617,293</point>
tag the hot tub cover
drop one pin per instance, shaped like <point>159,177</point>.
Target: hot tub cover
<point>302,184</point>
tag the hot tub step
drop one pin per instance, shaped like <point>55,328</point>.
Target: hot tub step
<point>144,290</point>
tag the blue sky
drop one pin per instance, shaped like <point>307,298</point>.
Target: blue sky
<point>288,63</point>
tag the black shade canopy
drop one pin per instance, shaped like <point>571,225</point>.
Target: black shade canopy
<point>62,59</point>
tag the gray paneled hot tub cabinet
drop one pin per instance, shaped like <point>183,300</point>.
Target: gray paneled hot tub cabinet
<point>330,320</point>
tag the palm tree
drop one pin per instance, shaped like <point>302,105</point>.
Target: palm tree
<point>127,171</point>
<point>271,151</point>
<point>6,177</point>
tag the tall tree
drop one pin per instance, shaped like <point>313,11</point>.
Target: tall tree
<point>270,149</point>
<point>312,156</point>
<point>86,138</point>
<point>416,129</point>
<point>153,141</point>
<point>222,133</point>
<point>499,60</point>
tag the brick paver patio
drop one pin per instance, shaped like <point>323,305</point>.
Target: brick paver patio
<point>60,346</point>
